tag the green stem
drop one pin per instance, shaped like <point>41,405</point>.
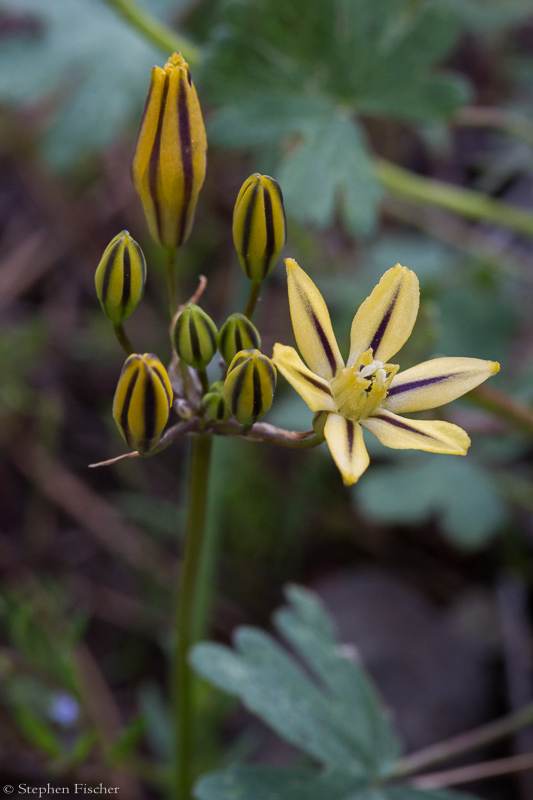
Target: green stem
<point>182,678</point>
<point>497,402</point>
<point>122,338</point>
<point>253,297</point>
<point>465,202</point>
<point>465,742</point>
<point>172,283</point>
<point>159,34</point>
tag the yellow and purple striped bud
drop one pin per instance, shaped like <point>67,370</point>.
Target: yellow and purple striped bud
<point>142,401</point>
<point>215,404</point>
<point>259,226</point>
<point>195,336</point>
<point>237,333</point>
<point>169,160</point>
<point>120,277</point>
<point>250,385</point>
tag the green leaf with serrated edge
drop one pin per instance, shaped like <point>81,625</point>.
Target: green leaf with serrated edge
<point>271,783</point>
<point>332,168</point>
<point>338,721</point>
<point>272,686</point>
<point>408,793</point>
<point>354,701</point>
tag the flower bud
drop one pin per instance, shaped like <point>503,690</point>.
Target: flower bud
<point>259,226</point>
<point>142,401</point>
<point>237,333</point>
<point>169,160</point>
<point>250,385</point>
<point>195,336</point>
<point>120,277</point>
<point>215,404</point>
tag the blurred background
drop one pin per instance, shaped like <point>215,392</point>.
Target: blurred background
<point>366,113</point>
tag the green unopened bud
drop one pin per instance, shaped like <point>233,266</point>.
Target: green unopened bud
<point>250,385</point>
<point>215,404</point>
<point>237,333</point>
<point>195,336</point>
<point>169,161</point>
<point>259,226</point>
<point>120,277</point>
<point>142,401</point>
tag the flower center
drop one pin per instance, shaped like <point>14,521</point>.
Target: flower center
<point>359,390</point>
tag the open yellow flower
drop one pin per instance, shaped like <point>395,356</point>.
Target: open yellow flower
<point>368,390</point>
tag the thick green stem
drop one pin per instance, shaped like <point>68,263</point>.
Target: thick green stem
<point>182,678</point>
<point>253,297</point>
<point>163,37</point>
<point>465,202</point>
<point>122,338</point>
<point>172,283</point>
<point>465,742</point>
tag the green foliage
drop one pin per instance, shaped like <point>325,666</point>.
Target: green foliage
<point>330,710</point>
<point>84,56</point>
<point>462,495</point>
<point>347,58</point>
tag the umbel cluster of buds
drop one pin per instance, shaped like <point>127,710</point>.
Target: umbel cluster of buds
<point>366,391</point>
<point>168,170</point>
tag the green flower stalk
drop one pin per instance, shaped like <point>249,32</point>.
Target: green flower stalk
<point>194,336</point>
<point>249,386</point>
<point>120,278</point>
<point>259,226</point>
<point>170,156</point>
<point>142,402</point>
<point>237,334</point>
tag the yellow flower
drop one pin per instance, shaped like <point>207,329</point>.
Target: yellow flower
<point>169,161</point>
<point>368,390</point>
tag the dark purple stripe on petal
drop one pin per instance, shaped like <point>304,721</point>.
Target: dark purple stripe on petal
<point>149,409</point>
<point>257,393</point>
<point>108,270</point>
<point>324,341</point>
<point>157,372</point>
<point>153,167</point>
<point>184,125</point>
<point>126,284</point>
<point>314,382</point>
<point>126,407</point>
<point>247,226</point>
<point>380,332</point>
<point>270,234</point>
<point>350,435</point>
<point>401,424</point>
<point>407,387</point>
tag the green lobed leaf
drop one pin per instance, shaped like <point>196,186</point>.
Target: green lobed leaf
<point>339,722</point>
<point>459,492</point>
<point>84,55</point>
<point>332,169</point>
<point>271,783</point>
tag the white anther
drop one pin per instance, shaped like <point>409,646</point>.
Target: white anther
<point>371,369</point>
<point>381,377</point>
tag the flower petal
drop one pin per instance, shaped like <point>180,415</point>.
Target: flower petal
<point>313,389</point>
<point>436,382</point>
<point>345,441</point>
<point>385,320</point>
<point>312,324</point>
<point>434,436</point>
